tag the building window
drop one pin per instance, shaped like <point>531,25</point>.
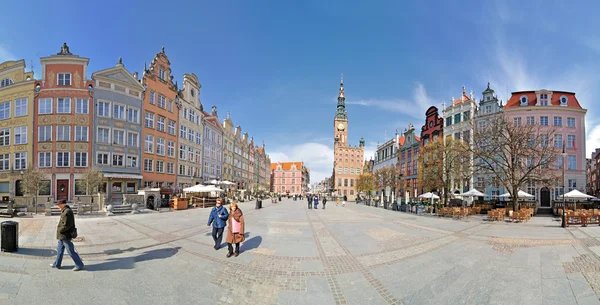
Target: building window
<point>160,124</point>
<point>571,163</point>
<point>82,106</point>
<point>488,108</point>
<point>149,144</point>
<point>524,100</point>
<point>132,139</point>
<point>544,121</point>
<point>104,109</point>
<point>170,106</point>
<point>564,100</point>
<point>6,82</point>
<point>5,162</point>
<point>132,161</point>
<point>457,118</point>
<point>530,120</point>
<point>182,131</point>
<point>103,135</point>
<point>448,121</point>
<point>4,110</point>
<point>171,149</point>
<point>20,107</point>
<point>63,133</point>
<point>558,141</point>
<point>570,141</point>
<point>162,101</point>
<point>152,97</point>
<point>118,137</point>
<point>118,112</point>
<point>149,120</point>
<point>572,184</point>
<point>118,160</point>
<point>198,138</point>
<point>5,137</point>
<point>81,133</point>
<point>133,115</point>
<point>559,162</point>
<point>160,166</point>
<point>80,187</point>
<point>102,158</point>
<point>182,152</point>
<point>20,160</point>
<point>161,74</point>
<point>20,135</point>
<point>64,79</point>
<point>171,127</point>
<point>45,106</point>
<point>81,159</point>
<point>190,135</point>
<point>63,105</point>
<point>148,165</point>
<point>516,122</point>
<point>570,122</point>
<point>45,159</point>
<point>557,121</point>
<point>466,115</point>
<point>543,99</point>
<point>62,159</point>
<point>160,146</point>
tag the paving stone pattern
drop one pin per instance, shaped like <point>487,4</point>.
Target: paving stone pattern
<point>342,255</point>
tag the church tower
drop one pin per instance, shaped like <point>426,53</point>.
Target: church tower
<point>340,122</point>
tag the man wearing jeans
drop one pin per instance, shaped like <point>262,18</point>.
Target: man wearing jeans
<point>218,219</point>
<point>63,234</point>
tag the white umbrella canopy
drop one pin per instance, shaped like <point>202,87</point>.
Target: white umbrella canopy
<point>429,195</point>
<point>575,194</point>
<point>214,181</point>
<point>210,188</point>
<point>195,188</point>
<point>473,193</point>
<point>225,182</point>
<point>520,194</point>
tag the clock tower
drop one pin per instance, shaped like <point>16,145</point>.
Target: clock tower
<point>348,160</point>
<point>340,122</point>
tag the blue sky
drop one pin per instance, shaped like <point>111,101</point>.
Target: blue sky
<point>275,65</point>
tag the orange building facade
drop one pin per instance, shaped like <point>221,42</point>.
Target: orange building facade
<point>160,115</point>
<point>63,105</point>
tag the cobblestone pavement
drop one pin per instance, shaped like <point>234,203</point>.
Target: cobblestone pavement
<point>342,255</point>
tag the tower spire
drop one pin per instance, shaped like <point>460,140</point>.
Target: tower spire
<point>340,112</point>
<point>341,86</point>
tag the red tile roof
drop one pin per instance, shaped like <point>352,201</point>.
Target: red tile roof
<point>401,140</point>
<point>515,99</point>
<point>464,97</point>
<point>286,166</point>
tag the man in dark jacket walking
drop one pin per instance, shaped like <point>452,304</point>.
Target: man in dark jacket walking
<point>218,218</point>
<point>66,225</point>
<point>309,199</point>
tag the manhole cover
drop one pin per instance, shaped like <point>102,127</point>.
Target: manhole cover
<point>78,239</point>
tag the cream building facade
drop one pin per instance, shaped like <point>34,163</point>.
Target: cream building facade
<point>191,129</point>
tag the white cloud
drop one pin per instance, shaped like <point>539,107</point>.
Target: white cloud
<point>317,157</point>
<point>420,99</point>
<point>370,149</point>
<point>5,54</point>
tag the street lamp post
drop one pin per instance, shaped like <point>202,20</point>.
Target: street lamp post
<point>564,214</point>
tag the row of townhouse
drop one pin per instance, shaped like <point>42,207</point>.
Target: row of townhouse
<point>140,131</point>
<point>558,109</point>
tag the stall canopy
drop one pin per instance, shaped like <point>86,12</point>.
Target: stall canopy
<point>520,194</point>
<point>429,195</point>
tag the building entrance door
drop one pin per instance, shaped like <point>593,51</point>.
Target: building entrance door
<point>545,197</point>
<point>62,189</point>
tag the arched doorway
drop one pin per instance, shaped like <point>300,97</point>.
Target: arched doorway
<point>19,188</point>
<point>545,197</point>
<point>150,202</point>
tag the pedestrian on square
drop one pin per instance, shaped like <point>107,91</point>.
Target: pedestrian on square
<point>316,200</point>
<point>218,219</point>
<point>324,202</point>
<point>235,230</point>
<point>65,232</point>
<point>309,199</point>
<point>337,201</point>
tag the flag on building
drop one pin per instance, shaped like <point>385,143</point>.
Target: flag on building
<point>573,144</point>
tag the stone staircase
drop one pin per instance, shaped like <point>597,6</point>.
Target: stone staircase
<point>121,209</point>
<point>55,211</point>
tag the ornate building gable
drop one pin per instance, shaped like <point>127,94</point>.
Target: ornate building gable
<point>160,69</point>
<point>120,75</point>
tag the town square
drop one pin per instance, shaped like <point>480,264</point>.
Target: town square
<point>300,152</point>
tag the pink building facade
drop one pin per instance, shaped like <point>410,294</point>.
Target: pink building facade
<point>288,178</point>
<point>561,110</point>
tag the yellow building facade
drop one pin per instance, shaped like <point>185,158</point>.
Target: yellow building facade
<point>16,126</point>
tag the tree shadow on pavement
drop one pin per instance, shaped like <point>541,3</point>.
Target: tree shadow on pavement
<point>129,262</point>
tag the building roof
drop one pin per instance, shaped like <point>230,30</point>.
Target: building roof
<point>286,166</point>
<point>401,141</point>
<point>515,99</point>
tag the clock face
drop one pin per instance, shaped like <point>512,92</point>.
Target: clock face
<point>340,126</point>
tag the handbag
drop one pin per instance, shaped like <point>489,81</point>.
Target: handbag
<point>73,232</point>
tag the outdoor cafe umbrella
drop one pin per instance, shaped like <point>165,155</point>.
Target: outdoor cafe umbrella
<point>210,188</point>
<point>214,181</point>
<point>520,194</point>
<point>575,194</point>
<point>429,195</point>
<point>472,193</point>
<point>196,188</point>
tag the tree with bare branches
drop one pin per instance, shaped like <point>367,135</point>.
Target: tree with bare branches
<point>90,181</point>
<point>441,162</point>
<point>32,183</point>
<point>516,154</point>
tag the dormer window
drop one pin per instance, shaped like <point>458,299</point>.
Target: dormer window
<point>161,74</point>
<point>488,98</point>
<point>524,100</point>
<point>564,100</point>
<point>192,92</point>
<point>543,99</point>
<point>6,82</point>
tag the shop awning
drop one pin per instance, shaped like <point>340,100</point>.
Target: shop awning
<point>122,176</point>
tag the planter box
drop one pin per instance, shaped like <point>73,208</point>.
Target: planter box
<point>180,203</point>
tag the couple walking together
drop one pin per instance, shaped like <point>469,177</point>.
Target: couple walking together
<point>233,220</point>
